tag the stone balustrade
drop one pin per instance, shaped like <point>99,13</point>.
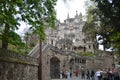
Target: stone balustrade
<point>15,57</point>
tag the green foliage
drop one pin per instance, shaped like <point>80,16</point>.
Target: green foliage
<point>119,62</point>
<point>89,5</point>
<point>18,49</point>
<point>109,16</point>
<point>15,39</point>
<point>116,41</point>
<point>90,27</point>
<point>90,30</point>
<point>88,54</point>
<point>37,13</point>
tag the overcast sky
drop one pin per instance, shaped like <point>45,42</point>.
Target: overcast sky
<point>63,9</point>
<point>69,7</point>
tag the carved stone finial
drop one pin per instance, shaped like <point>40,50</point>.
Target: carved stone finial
<point>68,16</point>
<point>80,15</point>
<point>76,13</point>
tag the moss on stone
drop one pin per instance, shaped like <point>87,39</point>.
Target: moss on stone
<point>16,61</point>
<point>87,54</point>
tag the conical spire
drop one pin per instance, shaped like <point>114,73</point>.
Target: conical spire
<point>68,16</point>
<point>76,14</point>
<point>80,15</point>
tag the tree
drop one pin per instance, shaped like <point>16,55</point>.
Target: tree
<point>34,12</point>
<point>110,18</point>
<point>90,27</point>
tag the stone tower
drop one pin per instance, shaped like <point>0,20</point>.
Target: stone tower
<point>70,29</point>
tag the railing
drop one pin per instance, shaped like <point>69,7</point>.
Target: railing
<point>35,51</point>
<point>61,51</point>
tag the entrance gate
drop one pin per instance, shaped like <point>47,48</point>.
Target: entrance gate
<point>55,68</point>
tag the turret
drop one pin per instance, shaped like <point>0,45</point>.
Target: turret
<point>68,16</point>
<point>76,14</point>
<point>80,15</point>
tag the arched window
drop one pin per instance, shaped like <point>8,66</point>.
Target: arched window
<point>52,42</point>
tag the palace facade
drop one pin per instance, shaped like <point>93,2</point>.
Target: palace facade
<point>62,48</point>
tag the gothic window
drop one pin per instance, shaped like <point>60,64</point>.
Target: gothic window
<point>78,60</point>
<point>83,61</point>
<point>84,40</point>
<point>84,49</point>
<point>93,46</point>
<point>52,42</point>
<point>75,48</point>
<point>77,40</point>
<point>89,46</point>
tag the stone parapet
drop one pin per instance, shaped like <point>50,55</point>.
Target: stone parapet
<point>17,71</point>
<point>17,67</point>
<point>10,56</point>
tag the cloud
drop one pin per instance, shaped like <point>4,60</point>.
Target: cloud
<point>70,6</point>
<point>62,8</point>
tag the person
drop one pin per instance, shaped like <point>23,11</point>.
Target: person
<point>82,74</point>
<point>64,74</point>
<point>104,74</point>
<point>116,73</point>
<point>61,75</point>
<point>88,74</point>
<point>109,72</point>
<point>68,75</point>
<point>113,70</point>
<point>92,74</point>
<point>70,72</point>
<point>99,74</point>
<point>76,72</point>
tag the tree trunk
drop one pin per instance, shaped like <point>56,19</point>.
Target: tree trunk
<point>4,44</point>
<point>5,37</point>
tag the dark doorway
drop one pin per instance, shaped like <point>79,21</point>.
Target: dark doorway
<point>55,68</point>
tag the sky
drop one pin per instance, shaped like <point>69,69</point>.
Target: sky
<point>69,7</point>
<point>62,10</point>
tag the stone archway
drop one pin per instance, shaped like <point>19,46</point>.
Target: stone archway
<point>71,63</point>
<point>55,68</point>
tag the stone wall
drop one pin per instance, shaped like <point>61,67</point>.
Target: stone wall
<point>17,67</point>
<point>17,71</point>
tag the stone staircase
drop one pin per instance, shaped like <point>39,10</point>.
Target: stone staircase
<point>35,51</point>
